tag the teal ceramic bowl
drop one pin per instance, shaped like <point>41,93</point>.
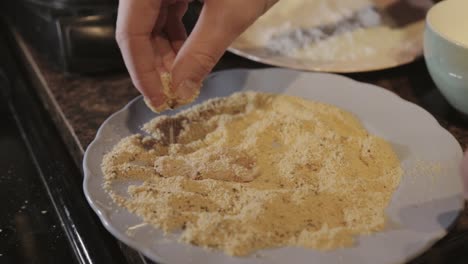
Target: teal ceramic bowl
<point>446,50</point>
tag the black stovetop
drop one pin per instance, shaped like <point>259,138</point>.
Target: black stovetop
<point>45,217</point>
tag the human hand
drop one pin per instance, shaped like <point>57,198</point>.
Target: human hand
<point>153,42</point>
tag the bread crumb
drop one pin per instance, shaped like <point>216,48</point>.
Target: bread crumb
<point>254,171</point>
<point>172,101</point>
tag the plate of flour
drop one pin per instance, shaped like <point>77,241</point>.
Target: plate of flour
<point>336,35</point>
<point>276,165</point>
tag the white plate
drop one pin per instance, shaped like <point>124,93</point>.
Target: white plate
<point>400,42</point>
<point>425,204</point>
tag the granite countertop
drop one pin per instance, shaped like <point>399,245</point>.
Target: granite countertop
<point>79,104</point>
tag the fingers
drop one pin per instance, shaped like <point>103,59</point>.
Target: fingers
<point>164,54</point>
<point>150,33</point>
<point>135,23</point>
<point>169,35</point>
<point>199,54</point>
<point>219,24</point>
<point>175,29</point>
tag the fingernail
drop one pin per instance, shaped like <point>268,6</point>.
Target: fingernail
<point>187,90</point>
<point>157,100</point>
<point>156,104</point>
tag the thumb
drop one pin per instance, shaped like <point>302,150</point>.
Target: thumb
<point>216,28</point>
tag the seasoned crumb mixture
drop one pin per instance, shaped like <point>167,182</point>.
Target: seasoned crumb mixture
<point>172,101</point>
<point>254,171</point>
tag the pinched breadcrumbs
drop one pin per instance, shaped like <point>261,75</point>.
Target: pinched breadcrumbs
<point>254,171</point>
<point>171,99</point>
